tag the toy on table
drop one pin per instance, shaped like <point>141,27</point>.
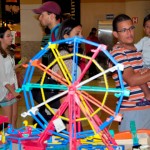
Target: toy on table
<point>3,119</point>
<point>77,99</point>
<point>25,122</point>
<point>134,135</point>
<point>3,143</point>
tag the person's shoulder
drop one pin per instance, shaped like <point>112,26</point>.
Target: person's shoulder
<point>88,38</point>
<point>55,28</point>
<point>95,37</point>
<point>1,57</point>
<point>145,38</point>
<point>63,52</point>
<point>118,50</point>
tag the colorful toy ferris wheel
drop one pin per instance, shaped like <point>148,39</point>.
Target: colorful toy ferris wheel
<point>77,101</point>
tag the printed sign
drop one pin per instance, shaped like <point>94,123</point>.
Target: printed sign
<point>135,20</point>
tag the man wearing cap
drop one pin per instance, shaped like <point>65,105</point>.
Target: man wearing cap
<point>49,16</point>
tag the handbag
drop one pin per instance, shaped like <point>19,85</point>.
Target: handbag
<point>9,96</point>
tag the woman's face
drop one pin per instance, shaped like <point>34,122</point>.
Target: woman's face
<point>76,31</point>
<point>7,39</point>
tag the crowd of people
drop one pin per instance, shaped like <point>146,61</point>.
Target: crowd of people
<point>125,51</point>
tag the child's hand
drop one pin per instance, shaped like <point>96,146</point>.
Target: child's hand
<point>17,95</point>
<point>23,60</point>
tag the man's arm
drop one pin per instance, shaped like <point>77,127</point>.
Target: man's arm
<point>135,78</point>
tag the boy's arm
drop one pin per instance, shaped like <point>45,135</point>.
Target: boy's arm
<point>139,45</point>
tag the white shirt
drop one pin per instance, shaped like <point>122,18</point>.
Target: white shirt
<point>144,46</point>
<point>7,74</point>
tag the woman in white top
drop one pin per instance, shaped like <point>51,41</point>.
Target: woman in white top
<point>7,76</point>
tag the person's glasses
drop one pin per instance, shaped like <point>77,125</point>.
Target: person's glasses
<point>124,30</point>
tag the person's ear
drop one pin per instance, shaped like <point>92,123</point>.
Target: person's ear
<point>115,34</point>
<point>144,29</point>
<point>52,16</point>
<point>66,36</point>
<point>49,17</point>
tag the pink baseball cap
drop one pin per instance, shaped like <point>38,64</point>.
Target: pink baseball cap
<point>49,6</point>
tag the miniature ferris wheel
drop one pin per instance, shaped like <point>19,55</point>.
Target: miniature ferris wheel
<point>79,104</point>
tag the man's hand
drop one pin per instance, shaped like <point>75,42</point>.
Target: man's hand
<point>144,70</point>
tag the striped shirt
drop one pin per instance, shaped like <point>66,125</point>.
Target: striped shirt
<point>133,59</point>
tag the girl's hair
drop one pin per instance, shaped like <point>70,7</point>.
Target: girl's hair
<point>2,51</point>
<point>147,18</point>
<point>65,28</point>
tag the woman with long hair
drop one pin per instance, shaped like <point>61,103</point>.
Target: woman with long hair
<point>8,80</point>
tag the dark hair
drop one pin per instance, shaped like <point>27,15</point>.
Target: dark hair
<point>58,17</point>
<point>66,27</point>
<point>47,31</point>
<point>147,18</point>
<point>119,18</point>
<point>2,51</point>
<point>3,30</point>
<point>93,29</point>
<point>91,33</point>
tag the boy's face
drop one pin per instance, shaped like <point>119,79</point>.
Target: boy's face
<point>46,18</point>
<point>147,28</point>
<point>125,32</point>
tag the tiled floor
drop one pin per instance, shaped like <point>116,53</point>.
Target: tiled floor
<point>111,102</point>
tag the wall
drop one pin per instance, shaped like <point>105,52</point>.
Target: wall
<point>30,27</point>
<point>30,1</point>
<point>110,1</point>
<point>138,9</point>
<point>31,30</point>
<point>92,12</point>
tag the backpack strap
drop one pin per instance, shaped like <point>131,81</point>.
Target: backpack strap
<point>54,33</point>
<point>53,38</point>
